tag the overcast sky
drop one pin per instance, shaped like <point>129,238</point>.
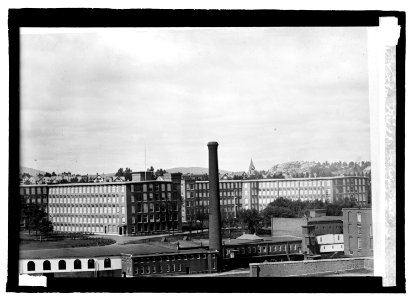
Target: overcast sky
<point>91,99</point>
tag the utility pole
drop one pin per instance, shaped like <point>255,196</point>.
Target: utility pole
<point>145,162</point>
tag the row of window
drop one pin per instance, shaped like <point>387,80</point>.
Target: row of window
<point>113,209</point>
<point>263,249</point>
<point>87,199</point>
<point>87,189</point>
<point>350,181</point>
<point>37,200</point>
<point>151,196</point>
<point>152,207</point>
<point>87,220</point>
<point>77,264</point>
<point>144,218</point>
<point>156,187</point>
<point>151,227</point>
<point>169,268</point>
<point>33,191</point>
<point>232,201</point>
<point>359,243</point>
<point>222,185</point>
<point>86,228</point>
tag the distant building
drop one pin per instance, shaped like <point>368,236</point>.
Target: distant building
<point>258,193</point>
<point>357,231</point>
<point>99,178</point>
<point>118,179</point>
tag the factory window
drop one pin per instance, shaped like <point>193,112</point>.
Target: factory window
<point>62,265</point>
<point>107,263</point>
<point>148,270</point>
<point>91,264</point>
<point>154,269</point>
<point>359,217</point>
<point>173,268</point>
<point>141,270</point>
<point>167,268</point>
<point>31,266</point>
<point>359,229</point>
<point>359,243</point>
<point>179,267</point>
<point>77,265</point>
<point>46,265</point>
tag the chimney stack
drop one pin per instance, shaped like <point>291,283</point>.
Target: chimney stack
<point>215,236</point>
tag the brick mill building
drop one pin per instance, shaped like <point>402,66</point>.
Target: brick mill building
<point>358,231</point>
<point>258,193</point>
<point>120,208</point>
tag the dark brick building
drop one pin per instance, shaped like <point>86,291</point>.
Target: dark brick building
<point>357,231</point>
<point>33,194</point>
<point>168,264</point>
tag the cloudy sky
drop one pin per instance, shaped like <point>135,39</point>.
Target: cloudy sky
<point>91,99</point>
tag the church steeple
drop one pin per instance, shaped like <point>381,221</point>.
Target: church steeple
<point>251,169</point>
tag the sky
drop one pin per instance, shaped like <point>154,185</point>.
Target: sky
<point>92,100</point>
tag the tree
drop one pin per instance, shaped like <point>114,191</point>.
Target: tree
<point>160,172</point>
<point>151,169</point>
<point>127,174</point>
<point>201,217</point>
<point>53,174</point>
<point>74,180</point>
<point>120,172</point>
<point>47,175</point>
<point>36,219</point>
<point>250,219</point>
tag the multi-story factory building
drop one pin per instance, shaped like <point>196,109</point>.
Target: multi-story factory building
<point>35,195</point>
<point>132,207</point>
<point>196,197</point>
<point>258,193</point>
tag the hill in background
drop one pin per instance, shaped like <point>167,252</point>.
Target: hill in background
<point>194,170</point>
<point>31,171</point>
<point>318,169</point>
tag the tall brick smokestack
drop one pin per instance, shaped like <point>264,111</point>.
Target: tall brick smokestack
<point>215,236</point>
